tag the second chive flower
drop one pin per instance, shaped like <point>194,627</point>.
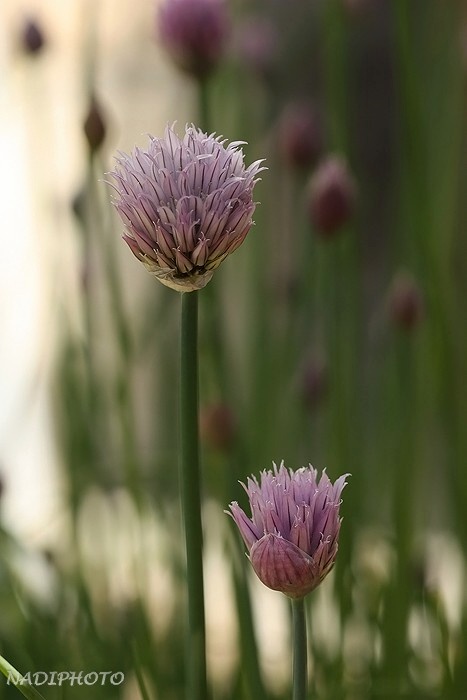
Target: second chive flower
<point>292,535</point>
<point>186,204</point>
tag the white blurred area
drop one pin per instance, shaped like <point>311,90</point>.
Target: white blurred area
<point>43,102</point>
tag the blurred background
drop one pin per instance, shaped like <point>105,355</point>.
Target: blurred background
<point>336,335</point>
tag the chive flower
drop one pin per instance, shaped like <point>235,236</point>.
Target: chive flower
<point>292,535</point>
<point>186,204</point>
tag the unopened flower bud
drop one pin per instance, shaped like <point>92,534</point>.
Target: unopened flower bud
<point>217,426</point>
<point>300,137</point>
<point>332,196</point>
<point>292,535</point>
<point>194,33</point>
<point>256,46</point>
<point>315,381</point>
<point>94,126</point>
<point>32,37</point>
<point>405,301</point>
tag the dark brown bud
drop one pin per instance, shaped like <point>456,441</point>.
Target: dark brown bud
<point>405,301</point>
<point>217,426</point>
<point>32,38</point>
<point>332,194</point>
<point>300,137</point>
<point>315,381</point>
<point>94,126</point>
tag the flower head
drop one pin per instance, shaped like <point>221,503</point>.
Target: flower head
<point>292,535</point>
<point>186,204</point>
<point>194,33</point>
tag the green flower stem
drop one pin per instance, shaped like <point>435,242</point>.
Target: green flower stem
<point>19,681</point>
<point>191,498</point>
<point>299,676</point>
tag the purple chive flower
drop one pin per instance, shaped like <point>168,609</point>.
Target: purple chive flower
<point>292,535</point>
<point>186,204</point>
<point>194,33</point>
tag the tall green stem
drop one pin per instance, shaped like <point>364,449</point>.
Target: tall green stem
<point>299,676</point>
<point>191,499</point>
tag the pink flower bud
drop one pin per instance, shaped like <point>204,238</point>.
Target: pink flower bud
<point>256,44</point>
<point>292,535</point>
<point>315,381</point>
<point>332,196</point>
<point>94,126</point>
<point>194,33</point>
<point>299,136</point>
<point>405,301</point>
<point>32,37</point>
<point>217,426</point>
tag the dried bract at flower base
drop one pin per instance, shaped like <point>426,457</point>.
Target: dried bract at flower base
<point>186,204</point>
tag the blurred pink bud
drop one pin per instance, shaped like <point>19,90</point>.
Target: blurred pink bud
<point>256,45</point>
<point>32,37</point>
<point>292,535</point>
<point>217,426</point>
<point>194,33</point>
<point>315,381</point>
<point>332,194</point>
<point>186,204</point>
<point>300,137</point>
<point>405,301</point>
<point>94,126</point>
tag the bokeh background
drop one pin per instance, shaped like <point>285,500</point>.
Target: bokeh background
<point>336,335</point>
